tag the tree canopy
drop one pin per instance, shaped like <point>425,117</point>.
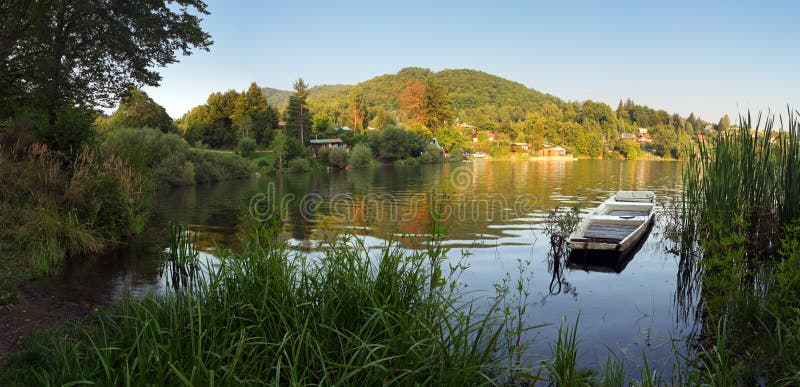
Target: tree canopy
<point>90,52</point>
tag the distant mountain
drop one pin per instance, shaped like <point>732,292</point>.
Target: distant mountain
<point>276,97</point>
<point>279,98</point>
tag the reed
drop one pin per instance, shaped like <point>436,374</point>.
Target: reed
<point>749,184</point>
<point>268,316</point>
<point>741,207</point>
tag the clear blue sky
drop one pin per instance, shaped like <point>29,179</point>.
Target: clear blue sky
<point>707,57</point>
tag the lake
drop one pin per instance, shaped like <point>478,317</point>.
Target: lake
<point>494,210</point>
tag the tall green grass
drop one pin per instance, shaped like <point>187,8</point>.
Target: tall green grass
<point>267,316</point>
<point>748,184</point>
<point>741,208</point>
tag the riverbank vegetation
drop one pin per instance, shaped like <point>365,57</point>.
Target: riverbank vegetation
<point>268,315</point>
<point>73,181</point>
<point>740,237</point>
<point>461,109</point>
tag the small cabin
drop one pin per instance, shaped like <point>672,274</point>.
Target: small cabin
<point>317,144</point>
<point>550,150</point>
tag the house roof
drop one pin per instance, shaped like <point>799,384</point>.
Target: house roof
<point>327,141</point>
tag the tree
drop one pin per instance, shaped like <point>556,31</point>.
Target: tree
<point>381,118</point>
<point>321,122</point>
<point>358,109</point>
<point>300,94</point>
<point>724,123</point>
<point>263,123</point>
<point>245,126</point>
<point>412,101</point>
<point>248,103</point>
<point>297,118</point>
<point>279,146</point>
<point>57,53</point>
<point>138,110</point>
<point>437,105</point>
<point>394,143</point>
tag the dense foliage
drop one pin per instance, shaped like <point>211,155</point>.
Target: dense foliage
<point>227,117</point>
<point>168,160</point>
<point>89,52</point>
<point>433,103</point>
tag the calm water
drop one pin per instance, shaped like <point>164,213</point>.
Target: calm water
<point>495,210</point>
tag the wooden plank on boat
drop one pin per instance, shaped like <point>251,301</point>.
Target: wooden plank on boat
<point>609,232</point>
<point>628,213</point>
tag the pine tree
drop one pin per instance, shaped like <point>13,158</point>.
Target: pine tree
<point>297,118</point>
<point>300,94</point>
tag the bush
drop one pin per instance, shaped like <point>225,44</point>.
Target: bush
<point>322,155</point>
<point>48,212</point>
<point>246,147</point>
<point>432,154</point>
<point>298,166</point>
<point>337,158</point>
<point>153,154</point>
<point>361,156</point>
<point>210,166</point>
<point>394,143</point>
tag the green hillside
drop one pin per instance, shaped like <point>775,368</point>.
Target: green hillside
<point>436,102</point>
<point>279,98</point>
<point>469,90</point>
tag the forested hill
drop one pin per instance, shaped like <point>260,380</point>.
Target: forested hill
<point>468,90</point>
<point>432,103</point>
<point>278,98</point>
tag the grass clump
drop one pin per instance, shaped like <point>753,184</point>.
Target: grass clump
<point>269,316</point>
<point>741,207</point>
<point>49,210</point>
<point>299,166</point>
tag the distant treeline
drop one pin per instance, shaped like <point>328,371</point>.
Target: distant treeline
<point>451,105</point>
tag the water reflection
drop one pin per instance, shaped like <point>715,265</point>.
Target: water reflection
<point>485,219</point>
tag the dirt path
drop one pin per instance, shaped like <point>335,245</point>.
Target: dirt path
<point>34,311</point>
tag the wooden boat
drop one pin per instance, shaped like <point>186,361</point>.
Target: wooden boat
<point>617,224</point>
<point>605,261</point>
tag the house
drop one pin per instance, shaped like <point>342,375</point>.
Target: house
<point>644,138</point>
<point>316,144</point>
<point>488,134</point>
<point>642,131</point>
<point>551,150</point>
<point>520,146</point>
<point>627,137</point>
